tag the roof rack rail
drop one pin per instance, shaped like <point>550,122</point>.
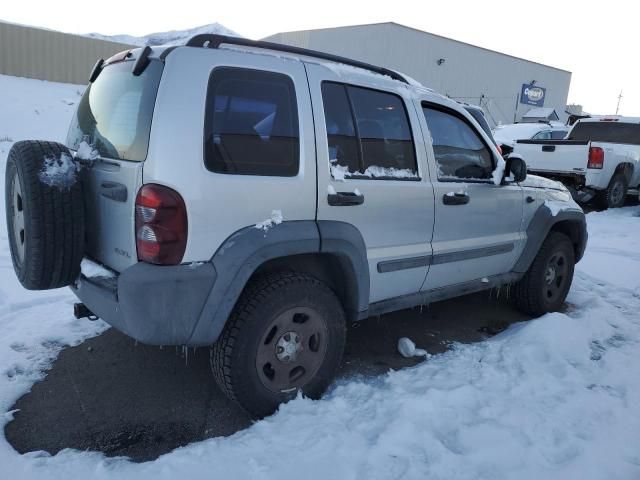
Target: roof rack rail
<point>214,41</point>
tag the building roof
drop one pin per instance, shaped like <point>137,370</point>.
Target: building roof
<point>399,25</point>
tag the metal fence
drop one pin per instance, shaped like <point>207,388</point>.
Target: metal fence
<point>49,55</point>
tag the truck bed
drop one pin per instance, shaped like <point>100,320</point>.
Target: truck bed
<point>554,156</point>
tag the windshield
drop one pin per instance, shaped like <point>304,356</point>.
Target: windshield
<point>611,132</point>
<point>516,131</point>
<point>115,112</point>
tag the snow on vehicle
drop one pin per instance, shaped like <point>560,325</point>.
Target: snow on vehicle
<point>507,135</point>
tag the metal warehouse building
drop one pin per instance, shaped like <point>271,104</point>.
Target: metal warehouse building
<point>506,87</point>
<point>49,55</point>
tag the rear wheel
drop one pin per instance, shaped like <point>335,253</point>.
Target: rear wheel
<point>546,284</point>
<point>286,334</point>
<point>45,214</point>
<point>615,194</point>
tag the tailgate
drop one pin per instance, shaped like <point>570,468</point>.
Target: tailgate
<point>113,123</point>
<point>554,156</point>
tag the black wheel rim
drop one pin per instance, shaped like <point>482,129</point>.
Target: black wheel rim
<point>291,349</point>
<point>17,218</point>
<point>556,273</point>
<point>617,193</point>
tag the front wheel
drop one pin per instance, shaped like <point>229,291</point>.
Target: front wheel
<point>286,334</point>
<point>546,284</point>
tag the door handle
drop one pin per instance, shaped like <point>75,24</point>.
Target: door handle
<point>345,199</point>
<point>114,191</point>
<point>455,198</point>
<point>548,148</point>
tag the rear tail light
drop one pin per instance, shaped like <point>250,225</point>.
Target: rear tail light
<point>596,158</point>
<point>161,225</point>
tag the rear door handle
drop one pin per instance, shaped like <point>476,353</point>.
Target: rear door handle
<point>548,148</point>
<point>455,198</point>
<point>345,199</point>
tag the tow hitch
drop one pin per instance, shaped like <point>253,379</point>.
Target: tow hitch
<point>80,310</point>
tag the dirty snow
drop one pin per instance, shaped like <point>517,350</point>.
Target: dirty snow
<point>555,398</point>
<point>275,219</point>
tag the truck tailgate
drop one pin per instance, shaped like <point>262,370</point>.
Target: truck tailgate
<point>557,156</point>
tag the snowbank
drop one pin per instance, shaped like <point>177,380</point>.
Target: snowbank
<point>553,398</point>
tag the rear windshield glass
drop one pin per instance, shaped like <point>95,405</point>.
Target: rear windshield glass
<point>115,112</point>
<point>612,132</point>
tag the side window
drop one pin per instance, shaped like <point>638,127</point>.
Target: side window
<point>341,133</point>
<point>459,151</point>
<point>558,134</point>
<point>251,125</point>
<point>368,133</point>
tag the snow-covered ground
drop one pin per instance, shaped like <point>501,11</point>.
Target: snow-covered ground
<point>554,398</point>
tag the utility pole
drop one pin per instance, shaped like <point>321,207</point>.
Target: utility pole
<point>618,106</point>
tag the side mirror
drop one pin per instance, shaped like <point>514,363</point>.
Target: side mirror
<point>515,167</point>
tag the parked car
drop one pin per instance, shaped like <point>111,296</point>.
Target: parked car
<point>259,198</point>
<point>507,135</point>
<point>600,158</point>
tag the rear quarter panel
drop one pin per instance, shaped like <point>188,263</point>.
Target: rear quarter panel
<point>220,204</point>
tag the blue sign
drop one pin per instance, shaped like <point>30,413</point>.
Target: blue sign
<point>532,95</point>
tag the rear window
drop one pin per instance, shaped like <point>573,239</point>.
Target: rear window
<point>116,110</point>
<point>558,134</point>
<point>612,132</point>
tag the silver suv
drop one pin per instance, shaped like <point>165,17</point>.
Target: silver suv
<point>258,197</point>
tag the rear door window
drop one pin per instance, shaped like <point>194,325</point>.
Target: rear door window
<point>612,132</point>
<point>368,133</point>
<point>251,125</point>
<point>459,151</point>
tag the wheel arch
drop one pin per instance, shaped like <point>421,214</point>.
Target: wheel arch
<point>569,222</point>
<point>334,252</point>
<point>626,168</point>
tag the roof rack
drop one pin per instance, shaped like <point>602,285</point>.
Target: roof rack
<point>214,41</point>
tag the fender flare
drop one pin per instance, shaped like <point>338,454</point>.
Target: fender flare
<point>246,250</point>
<point>541,224</point>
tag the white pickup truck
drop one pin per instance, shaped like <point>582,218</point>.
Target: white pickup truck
<point>599,158</point>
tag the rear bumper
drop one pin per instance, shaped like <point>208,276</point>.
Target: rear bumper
<point>156,305</point>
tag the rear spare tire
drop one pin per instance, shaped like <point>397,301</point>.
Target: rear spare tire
<point>45,214</point>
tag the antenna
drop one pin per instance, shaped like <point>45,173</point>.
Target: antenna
<point>619,98</point>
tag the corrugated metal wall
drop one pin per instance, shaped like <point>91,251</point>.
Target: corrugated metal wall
<point>49,55</point>
<point>467,73</point>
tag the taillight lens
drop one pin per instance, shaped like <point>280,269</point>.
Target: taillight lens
<point>161,225</point>
<point>596,158</point>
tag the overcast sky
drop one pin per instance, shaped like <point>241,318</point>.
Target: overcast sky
<point>597,41</point>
